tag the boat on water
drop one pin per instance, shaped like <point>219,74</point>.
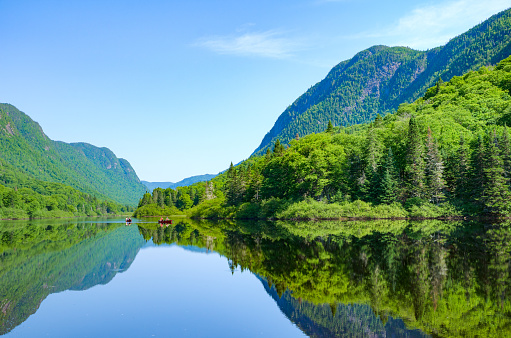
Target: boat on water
<point>165,221</point>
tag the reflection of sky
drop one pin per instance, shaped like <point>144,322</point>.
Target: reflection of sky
<point>167,291</point>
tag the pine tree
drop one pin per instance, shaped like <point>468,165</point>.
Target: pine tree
<point>231,194</point>
<point>278,148</point>
<point>372,154</point>
<point>461,171</point>
<point>414,169</point>
<point>388,186</point>
<point>505,150</point>
<point>434,171</point>
<point>330,127</point>
<point>495,196</point>
<point>476,174</point>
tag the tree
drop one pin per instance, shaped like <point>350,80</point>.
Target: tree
<point>388,187</point>
<point>414,168</point>
<point>330,127</point>
<point>184,201</point>
<point>434,171</point>
<point>278,148</point>
<point>495,196</point>
<point>460,171</point>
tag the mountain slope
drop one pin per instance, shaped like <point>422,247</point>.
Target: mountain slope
<point>85,167</point>
<point>183,183</point>
<point>379,79</point>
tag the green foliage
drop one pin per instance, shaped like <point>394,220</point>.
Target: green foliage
<point>379,79</point>
<point>430,156</point>
<point>92,170</point>
<point>26,197</point>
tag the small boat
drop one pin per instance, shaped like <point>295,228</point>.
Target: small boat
<point>165,221</point>
<point>128,220</point>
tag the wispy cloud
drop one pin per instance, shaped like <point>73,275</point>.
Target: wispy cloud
<point>268,44</point>
<point>433,25</point>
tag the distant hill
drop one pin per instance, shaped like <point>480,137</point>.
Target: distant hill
<point>379,79</point>
<point>87,168</point>
<point>185,182</point>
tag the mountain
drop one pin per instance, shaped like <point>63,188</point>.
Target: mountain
<point>185,182</point>
<point>379,79</point>
<point>93,170</point>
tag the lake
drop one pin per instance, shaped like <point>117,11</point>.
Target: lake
<point>99,277</point>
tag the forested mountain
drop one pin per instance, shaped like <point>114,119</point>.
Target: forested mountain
<point>379,79</point>
<point>446,154</point>
<point>184,182</point>
<point>89,169</point>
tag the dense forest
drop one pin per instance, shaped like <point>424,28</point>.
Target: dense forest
<point>446,154</point>
<point>22,196</point>
<point>379,79</point>
<point>89,169</point>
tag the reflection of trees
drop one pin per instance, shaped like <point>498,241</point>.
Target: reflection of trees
<point>37,259</point>
<point>445,284</point>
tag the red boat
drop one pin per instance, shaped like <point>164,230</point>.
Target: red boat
<point>165,221</point>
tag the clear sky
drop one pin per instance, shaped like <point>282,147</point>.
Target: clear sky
<point>183,88</point>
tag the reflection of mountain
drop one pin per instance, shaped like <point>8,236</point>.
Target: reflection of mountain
<point>443,278</point>
<point>340,320</point>
<point>29,275</point>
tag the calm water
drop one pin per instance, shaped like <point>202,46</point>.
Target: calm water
<point>99,277</point>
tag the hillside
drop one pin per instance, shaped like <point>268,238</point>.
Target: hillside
<point>184,182</point>
<point>446,154</point>
<point>379,79</point>
<point>87,168</point>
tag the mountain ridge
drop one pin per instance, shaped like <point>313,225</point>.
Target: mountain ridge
<point>83,166</point>
<point>377,80</point>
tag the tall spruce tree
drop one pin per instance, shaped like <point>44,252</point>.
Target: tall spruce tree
<point>434,169</point>
<point>330,127</point>
<point>495,196</point>
<point>477,176</point>
<point>461,171</point>
<point>388,186</point>
<point>505,150</point>
<point>414,168</point>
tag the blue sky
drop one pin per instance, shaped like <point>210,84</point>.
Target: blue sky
<point>182,88</point>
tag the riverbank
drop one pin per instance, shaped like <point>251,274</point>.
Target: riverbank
<point>312,210</point>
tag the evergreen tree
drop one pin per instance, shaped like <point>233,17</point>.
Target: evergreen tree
<point>414,169</point>
<point>330,127</point>
<point>495,196</point>
<point>434,171</point>
<point>278,148</point>
<point>461,171</point>
<point>477,164</point>
<point>388,186</point>
<point>505,150</point>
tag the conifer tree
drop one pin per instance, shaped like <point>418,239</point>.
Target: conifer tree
<point>434,171</point>
<point>505,150</point>
<point>477,181</point>
<point>278,148</point>
<point>461,171</point>
<point>414,168</point>
<point>495,196</point>
<point>388,186</point>
<point>330,127</point>
<point>231,194</point>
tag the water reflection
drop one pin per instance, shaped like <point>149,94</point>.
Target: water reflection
<point>380,278</point>
<point>449,282</point>
<point>38,258</point>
